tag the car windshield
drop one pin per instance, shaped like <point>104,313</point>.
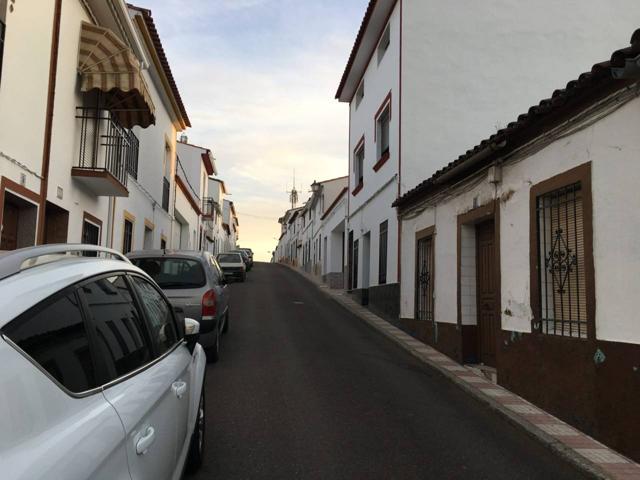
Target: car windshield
<point>229,258</point>
<point>173,273</point>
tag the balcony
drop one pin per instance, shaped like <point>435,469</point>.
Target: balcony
<point>209,206</point>
<point>108,153</point>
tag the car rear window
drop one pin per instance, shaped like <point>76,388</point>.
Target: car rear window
<point>173,273</point>
<point>229,258</point>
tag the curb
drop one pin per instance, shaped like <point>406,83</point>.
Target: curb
<point>619,467</point>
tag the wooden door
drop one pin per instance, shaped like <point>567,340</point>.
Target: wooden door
<point>9,240</point>
<point>487,293</point>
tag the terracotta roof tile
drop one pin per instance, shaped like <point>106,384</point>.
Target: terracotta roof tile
<point>596,83</point>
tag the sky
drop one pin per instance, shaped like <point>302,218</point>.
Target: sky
<point>258,79</point>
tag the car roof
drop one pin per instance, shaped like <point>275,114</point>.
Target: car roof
<point>27,288</point>
<point>167,253</point>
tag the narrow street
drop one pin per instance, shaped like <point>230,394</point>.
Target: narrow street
<point>306,390</point>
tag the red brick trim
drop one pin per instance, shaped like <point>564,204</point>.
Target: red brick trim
<point>383,106</point>
<point>334,203</point>
<point>383,159</point>
<point>180,183</point>
<point>357,189</point>
<point>208,165</point>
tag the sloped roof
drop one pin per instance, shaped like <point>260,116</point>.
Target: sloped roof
<point>578,94</point>
<point>157,43</point>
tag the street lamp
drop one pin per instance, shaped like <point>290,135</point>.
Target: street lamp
<point>315,187</point>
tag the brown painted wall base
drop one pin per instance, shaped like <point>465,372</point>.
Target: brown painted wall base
<point>444,337</point>
<point>560,375</point>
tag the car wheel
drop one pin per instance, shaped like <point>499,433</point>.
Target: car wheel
<point>225,329</point>
<point>213,353</point>
<point>196,445</point>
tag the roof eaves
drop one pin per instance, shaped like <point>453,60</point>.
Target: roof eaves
<point>535,121</point>
<point>356,46</point>
<point>164,62</point>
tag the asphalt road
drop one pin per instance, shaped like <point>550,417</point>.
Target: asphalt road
<point>306,390</point>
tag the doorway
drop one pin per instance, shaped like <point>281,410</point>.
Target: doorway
<point>366,259</point>
<point>19,220</point>
<point>487,292</point>
<point>56,224</point>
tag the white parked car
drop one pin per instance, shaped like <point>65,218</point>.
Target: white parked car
<point>99,378</point>
<point>232,266</point>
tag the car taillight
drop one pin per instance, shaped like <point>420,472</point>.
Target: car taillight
<point>209,304</point>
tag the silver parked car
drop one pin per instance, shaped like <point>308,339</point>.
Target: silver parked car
<point>195,285</point>
<point>100,379</point>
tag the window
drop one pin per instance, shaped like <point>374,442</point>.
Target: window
<point>360,94</point>
<point>358,166</point>
<point>121,334</point>
<point>385,41</point>
<point>159,316</point>
<point>382,132</point>
<point>53,334</point>
<point>90,233</point>
<point>561,262</point>
<point>173,273</point>
<point>127,240</point>
<point>382,253</point>
<point>424,276</point>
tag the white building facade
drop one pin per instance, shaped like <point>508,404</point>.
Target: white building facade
<point>522,254</point>
<point>84,157</point>
<point>411,106</point>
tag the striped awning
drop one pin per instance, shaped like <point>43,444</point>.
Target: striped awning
<point>107,64</point>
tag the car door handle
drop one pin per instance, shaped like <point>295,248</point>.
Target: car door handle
<point>144,442</point>
<point>179,388</point>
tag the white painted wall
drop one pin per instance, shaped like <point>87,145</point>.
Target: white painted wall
<point>23,89</point>
<point>611,145</point>
<point>372,205</point>
<point>470,67</point>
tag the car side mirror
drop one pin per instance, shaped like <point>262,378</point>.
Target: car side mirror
<point>191,333</point>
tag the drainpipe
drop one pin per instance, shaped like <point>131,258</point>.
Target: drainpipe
<point>46,151</point>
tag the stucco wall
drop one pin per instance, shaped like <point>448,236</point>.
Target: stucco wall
<point>611,146</point>
<point>470,69</point>
<point>379,80</point>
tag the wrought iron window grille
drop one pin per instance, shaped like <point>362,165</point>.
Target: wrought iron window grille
<point>561,263</point>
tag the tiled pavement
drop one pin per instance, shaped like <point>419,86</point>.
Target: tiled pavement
<point>580,449</point>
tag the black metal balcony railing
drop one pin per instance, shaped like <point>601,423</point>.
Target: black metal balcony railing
<point>106,145</point>
<point>165,194</point>
<point>209,206</point>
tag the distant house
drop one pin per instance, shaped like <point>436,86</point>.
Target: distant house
<point>425,78</point>
<point>522,254</point>
<point>193,207</point>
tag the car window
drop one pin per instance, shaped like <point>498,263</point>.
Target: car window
<point>173,273</point>
<point>159,315</point>
<point>122,338</point>
<point>211,261</point>
<point>53,334</point>
<point>229,258</point>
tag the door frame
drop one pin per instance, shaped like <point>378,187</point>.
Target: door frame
<point>468,335</point>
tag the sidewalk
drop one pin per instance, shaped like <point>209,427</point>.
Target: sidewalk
<point>578,448</point>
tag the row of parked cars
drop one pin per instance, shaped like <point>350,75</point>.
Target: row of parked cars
<point>104,360</point>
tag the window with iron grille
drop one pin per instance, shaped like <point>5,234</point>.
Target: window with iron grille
<point>127,241</point>
<point>424,279</point>
<point>382,253</point>
<point>561,262</point>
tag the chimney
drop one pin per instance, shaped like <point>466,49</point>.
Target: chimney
<point>184,138</point>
